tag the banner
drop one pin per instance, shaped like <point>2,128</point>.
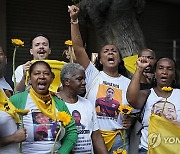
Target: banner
<point>164,137</point>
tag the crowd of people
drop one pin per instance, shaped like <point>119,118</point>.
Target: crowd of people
<point>90,123</point>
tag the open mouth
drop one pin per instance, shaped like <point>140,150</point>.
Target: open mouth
<point>111,60</point>
<point>164,79</point>
<point>42,85</point>
<point>41,52</point>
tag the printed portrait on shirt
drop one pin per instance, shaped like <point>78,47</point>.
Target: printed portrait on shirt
<point>77,118</point>
<point>108,101</point>
<point>45,129</point>
<point>169,109</point>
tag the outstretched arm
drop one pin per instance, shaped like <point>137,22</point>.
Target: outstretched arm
<point>80,53</point>
<point>135,96</point>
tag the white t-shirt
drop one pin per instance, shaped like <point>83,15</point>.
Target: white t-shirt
<point>41,132</point>
<point>18,73</point>
<point>8,127</point>
<point>172,109</point>
<point>4,84</point>
<point>86,114</point>
<point>98,83</point>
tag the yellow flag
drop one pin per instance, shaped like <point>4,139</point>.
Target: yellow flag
<point>130,63</point>
<point>7,106</point>
<point>164,137</point>
<point>56,67</point>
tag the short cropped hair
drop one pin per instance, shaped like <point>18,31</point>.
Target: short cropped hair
<point>146,49</point>
<point>76,111</point>
<point>37,35</point>
<point>40,62</point>
<point>69,70</point>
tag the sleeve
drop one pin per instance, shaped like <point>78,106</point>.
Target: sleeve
<point>3,119</point>
<point>91,73</point>
<point>70,137</point>
<point>18,73</point>
<point>95,121</point>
